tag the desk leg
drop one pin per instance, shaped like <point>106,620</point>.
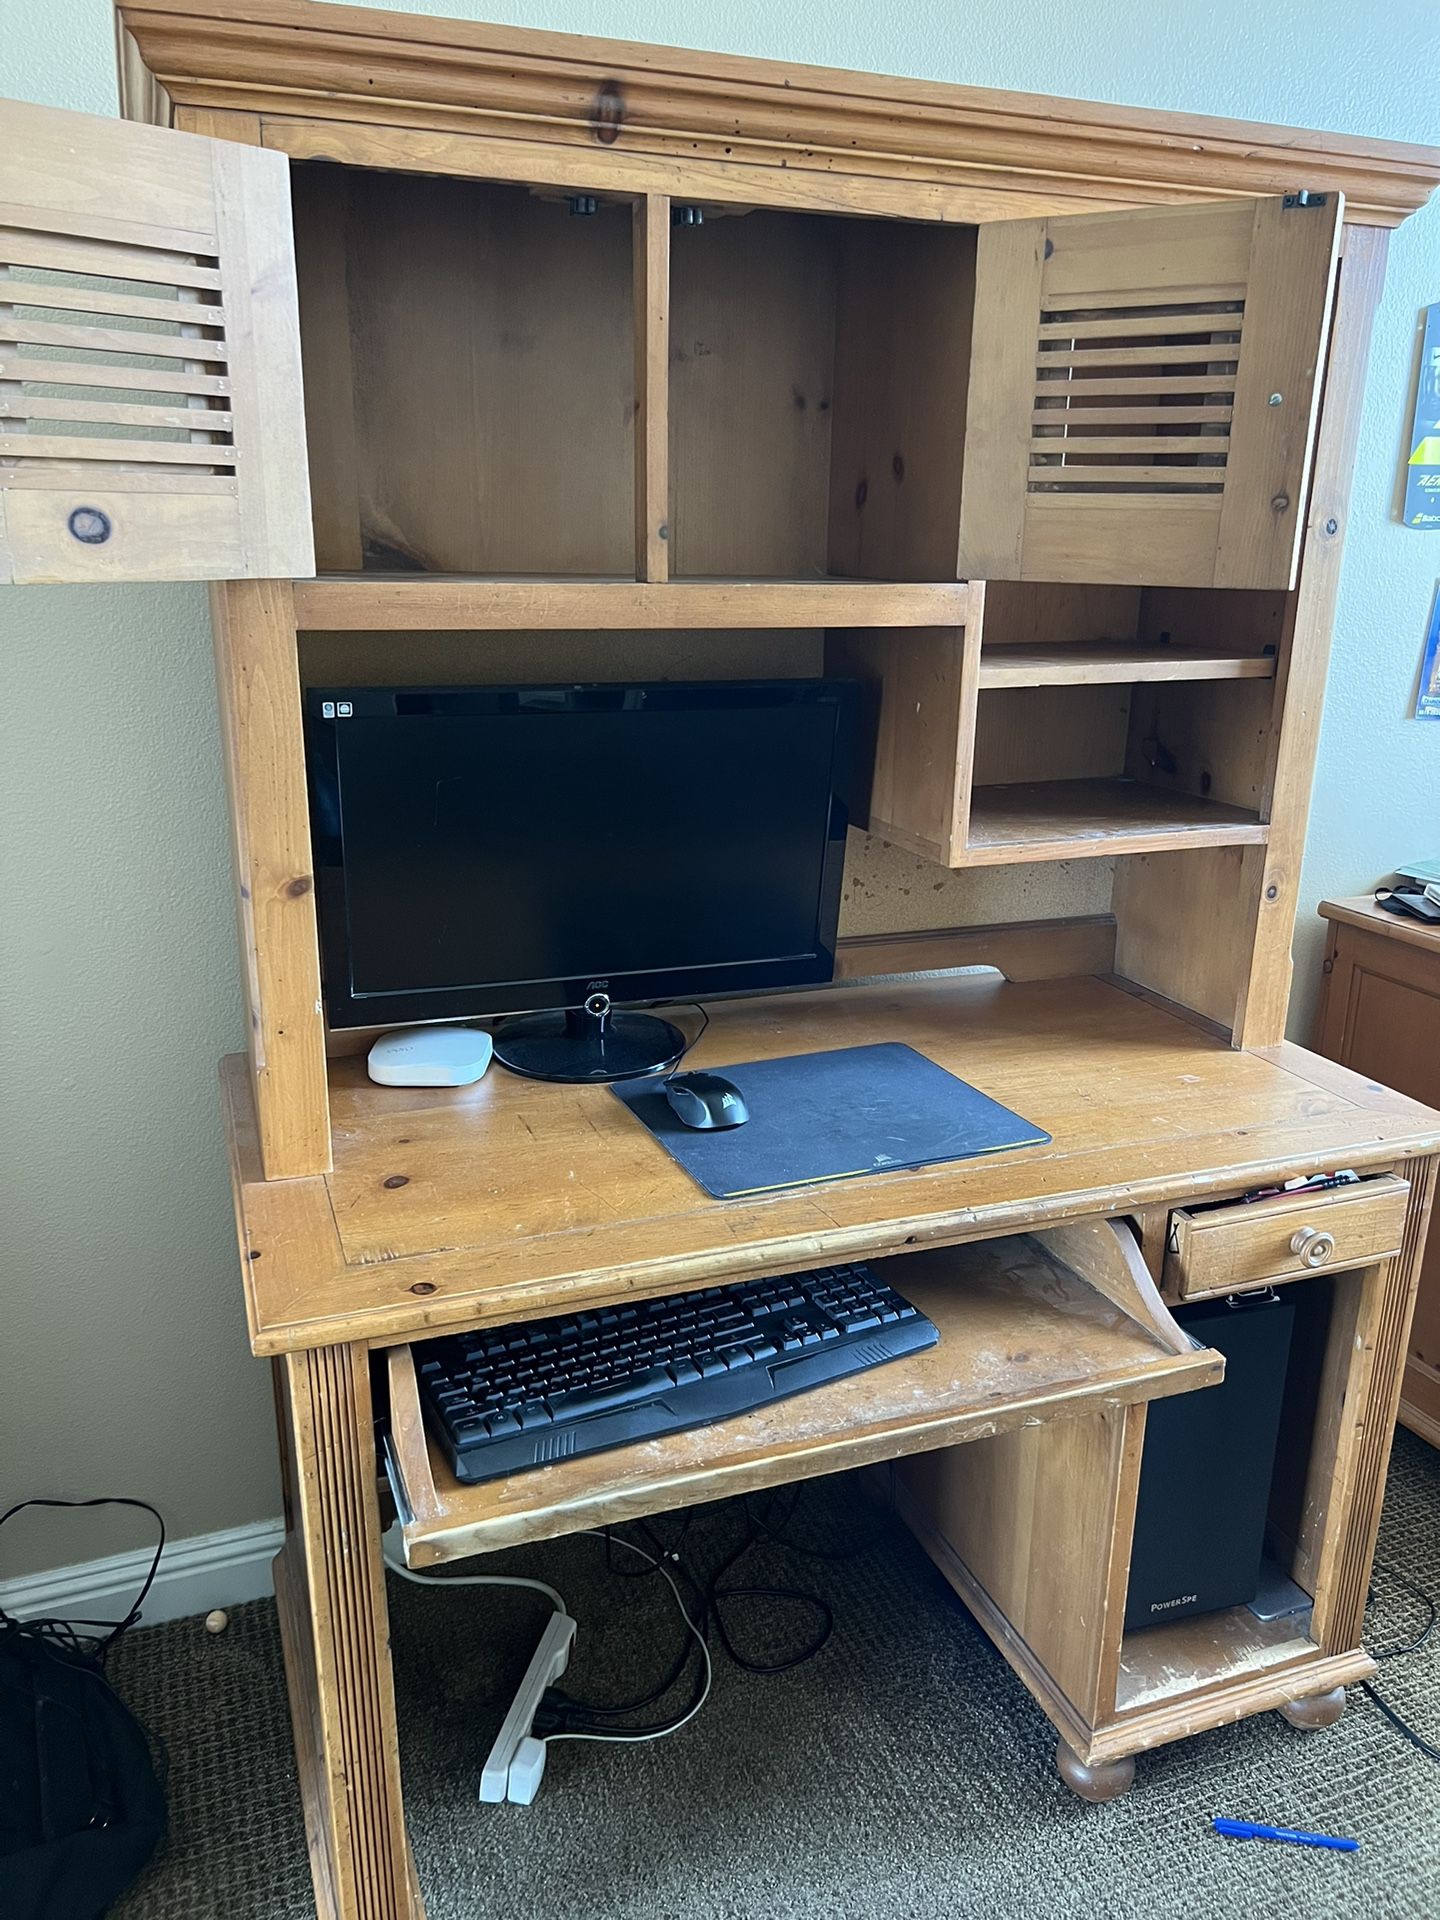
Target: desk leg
<point>330,1586</point>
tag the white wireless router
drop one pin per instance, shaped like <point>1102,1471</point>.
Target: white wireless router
<point>430,1057</point>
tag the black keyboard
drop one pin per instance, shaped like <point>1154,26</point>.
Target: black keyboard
<point>508,1398</point>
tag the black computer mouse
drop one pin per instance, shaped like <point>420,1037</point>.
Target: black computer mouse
<point>705,1101</point>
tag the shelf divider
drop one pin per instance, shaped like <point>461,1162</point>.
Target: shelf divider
<point>651,252</point>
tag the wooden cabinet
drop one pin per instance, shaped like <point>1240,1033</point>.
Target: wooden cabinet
<point>1126,397</point>
<point>150,423</point>
<point>1037,417</point>
<point>1380,1014</point>
<point>1143,393</point>
<point>1059,1617</point>
<point>531,379</point>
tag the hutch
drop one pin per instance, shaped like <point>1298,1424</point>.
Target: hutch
<point>467,353</point>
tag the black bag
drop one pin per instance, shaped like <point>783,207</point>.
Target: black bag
<point>81,1806</point>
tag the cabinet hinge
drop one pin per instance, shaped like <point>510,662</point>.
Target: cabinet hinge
<point>1305,198</point>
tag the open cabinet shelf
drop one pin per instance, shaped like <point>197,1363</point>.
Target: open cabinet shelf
<point>1087,819</point>
<point>1177,1657</point>
<point>1069,722</point>
<point>1116,663</point>
<point>469,375</point>
<point>817,380</point>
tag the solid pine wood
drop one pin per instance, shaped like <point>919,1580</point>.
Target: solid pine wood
<point>1273,879</point>
<point>259,691</point>
<point>650,246</point>
<point>488,389</point>
<point>209,221</point>
<point>489,334</point>
<point>1089,819</point>
<point>984,1505</point>
<point>371,604</point>
<point>1006,1360</point>
<point>1229,1248</point>
<point>926,141</point>
<point>334,1627</point>
<point>1045,498</point>
<point>1115,664</point>
<point>342,1256</point>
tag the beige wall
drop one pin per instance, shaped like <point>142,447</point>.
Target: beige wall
<point>123,1365</point>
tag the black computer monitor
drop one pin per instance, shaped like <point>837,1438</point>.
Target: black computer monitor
<point>544,851</point>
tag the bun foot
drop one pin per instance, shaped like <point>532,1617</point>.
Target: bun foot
<point>1106,1780</point>
<point>1319,1710</point>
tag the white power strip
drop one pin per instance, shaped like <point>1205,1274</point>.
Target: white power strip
<point>515,1765</point>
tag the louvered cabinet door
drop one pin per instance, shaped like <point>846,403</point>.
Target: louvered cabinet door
<point>1143,393</point>
<point>151,423</point>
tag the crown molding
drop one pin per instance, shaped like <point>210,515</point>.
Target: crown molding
<point>298,59</point>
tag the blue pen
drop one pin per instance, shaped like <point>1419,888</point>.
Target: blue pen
<point>1252,1830</point>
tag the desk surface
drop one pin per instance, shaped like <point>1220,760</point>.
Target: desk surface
<point>513,1197</point>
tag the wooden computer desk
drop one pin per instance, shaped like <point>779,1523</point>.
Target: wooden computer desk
<point>518,356</point>
<point>450,1209</point>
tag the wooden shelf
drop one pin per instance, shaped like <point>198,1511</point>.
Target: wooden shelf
<point>1182,1656</point>
<point>1122,662</point>
<point>1023,1337</point>
<point>1088,819</point>
<point>369,603</point>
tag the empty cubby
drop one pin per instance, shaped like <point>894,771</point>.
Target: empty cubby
<point>818,372</point>
<point>469,375</point>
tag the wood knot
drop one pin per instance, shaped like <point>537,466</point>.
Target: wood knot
<point>609,114</point>
<point>397,1180</point>
<point>253,1254</point>
<point>423,1287</point>
<point>299,886</point>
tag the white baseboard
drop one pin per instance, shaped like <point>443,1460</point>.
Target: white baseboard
<point>207,1570</point>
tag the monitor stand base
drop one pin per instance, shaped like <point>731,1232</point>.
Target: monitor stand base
<point>595,1044</point>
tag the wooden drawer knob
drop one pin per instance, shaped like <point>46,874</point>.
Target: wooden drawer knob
<point>1313,1246</point>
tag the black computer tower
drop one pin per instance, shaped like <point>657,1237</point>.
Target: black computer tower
<point>1208,1462</point>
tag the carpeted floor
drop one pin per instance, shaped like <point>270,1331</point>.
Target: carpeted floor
<point>902,1774</point>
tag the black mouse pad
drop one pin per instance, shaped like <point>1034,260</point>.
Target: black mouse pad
<point>832,1116</point>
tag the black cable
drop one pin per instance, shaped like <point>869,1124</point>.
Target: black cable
<point>59,1634</point>
<point>715,1594</point>
<point>1416,1592</point>
<point>1401,1726</point>
<point>851,1552</point>
<point>1396,1719</point>
<point>690,1045</point>
<point>712,1597</point>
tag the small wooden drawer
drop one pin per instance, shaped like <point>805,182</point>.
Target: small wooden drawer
<point>1024,1338</point>
<point>1226,1249</point>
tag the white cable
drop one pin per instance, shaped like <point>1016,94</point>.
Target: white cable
<point>658,1733</point>
<point>472,1579</point>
